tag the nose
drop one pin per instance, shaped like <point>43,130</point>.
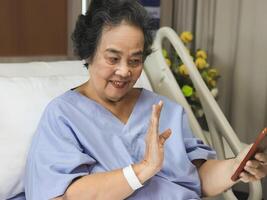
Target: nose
<point>123,70</point>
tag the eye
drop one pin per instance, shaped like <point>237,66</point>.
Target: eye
<point>135,62</point>
<point>113,60</point>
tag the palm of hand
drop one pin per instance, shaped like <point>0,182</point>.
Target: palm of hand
<point>154,155</point>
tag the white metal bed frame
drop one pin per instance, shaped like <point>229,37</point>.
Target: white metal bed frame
<point>163,82</point>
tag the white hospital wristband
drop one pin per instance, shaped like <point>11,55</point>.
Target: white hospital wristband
<point>131,178</point>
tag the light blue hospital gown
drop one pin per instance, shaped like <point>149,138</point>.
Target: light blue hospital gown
<point>77,136</point>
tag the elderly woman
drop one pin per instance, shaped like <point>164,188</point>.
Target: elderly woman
<point>108,140</point>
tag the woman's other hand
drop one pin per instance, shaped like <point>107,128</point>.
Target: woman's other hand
<point>254,169</point>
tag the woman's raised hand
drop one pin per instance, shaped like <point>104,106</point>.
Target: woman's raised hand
<point>154,154</point>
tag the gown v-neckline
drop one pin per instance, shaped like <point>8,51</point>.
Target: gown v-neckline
<point>108,112</point>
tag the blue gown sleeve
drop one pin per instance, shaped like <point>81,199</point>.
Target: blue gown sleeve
<point>195,147</point>
<point>56,157</point>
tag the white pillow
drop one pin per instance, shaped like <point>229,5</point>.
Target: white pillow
<point>62,68</point>
<point>22,101</point>
<point>25,90</point>
<point>59,68</point>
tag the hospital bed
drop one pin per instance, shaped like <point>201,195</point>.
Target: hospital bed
<point>26,88</point>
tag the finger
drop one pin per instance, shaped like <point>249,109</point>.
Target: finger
<point>158,108</point>
<point>156,115</point>
<point>152,119</point>
<point>164,136</point>
<point>262,157</point>
<point>256,172</point>
<point>246,177</point>
<point>152,134</point>
<point>253,164</point>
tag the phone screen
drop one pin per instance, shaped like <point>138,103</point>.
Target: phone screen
<point>260,144</point>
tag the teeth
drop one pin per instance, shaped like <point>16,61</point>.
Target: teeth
<point>118,83</point>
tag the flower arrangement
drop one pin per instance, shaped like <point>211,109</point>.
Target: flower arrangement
<point>209,74</point>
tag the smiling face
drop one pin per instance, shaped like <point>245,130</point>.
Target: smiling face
<point>118,62</point>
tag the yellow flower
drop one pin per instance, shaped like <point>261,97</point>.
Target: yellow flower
<point>212,83</point>
<point>186,37</point>
<point>183,70</point>
<point>213,73</point>
<point>164,53</point>
<point>201,63</point>
<point>168,61</point>
<point>201,54</point>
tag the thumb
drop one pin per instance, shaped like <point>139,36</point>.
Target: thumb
<point>164,136</point>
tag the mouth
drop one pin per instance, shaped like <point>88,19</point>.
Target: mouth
<point>119,84</point>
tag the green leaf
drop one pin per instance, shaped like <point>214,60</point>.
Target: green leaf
<point>187,90</point>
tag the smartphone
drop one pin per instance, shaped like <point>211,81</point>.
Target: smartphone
<point>260,144</point>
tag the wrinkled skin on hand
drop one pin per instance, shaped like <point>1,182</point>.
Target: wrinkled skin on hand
<point>255,169</point>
